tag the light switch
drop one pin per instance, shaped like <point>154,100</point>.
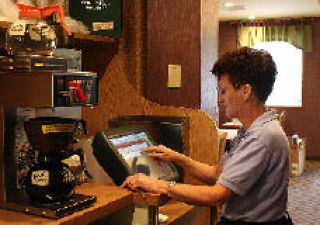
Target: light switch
<point>174,76</point>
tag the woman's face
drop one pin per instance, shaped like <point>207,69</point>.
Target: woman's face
<point>230,97</point>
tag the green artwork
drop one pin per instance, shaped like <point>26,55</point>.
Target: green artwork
<point>102,17</point>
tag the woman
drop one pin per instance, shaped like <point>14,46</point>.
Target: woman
<point>252,181</point>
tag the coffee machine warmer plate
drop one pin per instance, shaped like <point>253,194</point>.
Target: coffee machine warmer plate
<point>78,202</point>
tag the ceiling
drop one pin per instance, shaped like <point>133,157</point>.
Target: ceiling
<point>267,9</point>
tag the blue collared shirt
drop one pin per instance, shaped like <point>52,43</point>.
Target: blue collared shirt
<point>256,169</point>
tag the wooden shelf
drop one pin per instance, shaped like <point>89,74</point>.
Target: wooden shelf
<point>88,37</point>
<point>5,25</point>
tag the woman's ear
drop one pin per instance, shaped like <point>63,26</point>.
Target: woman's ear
<point>247,90</point>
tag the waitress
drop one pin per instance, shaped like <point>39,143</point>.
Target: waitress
<point>252,181</point>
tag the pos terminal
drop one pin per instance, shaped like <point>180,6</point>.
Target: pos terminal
<point>118,151</point>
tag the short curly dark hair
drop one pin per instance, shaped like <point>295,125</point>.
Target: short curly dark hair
<point>248,66</point>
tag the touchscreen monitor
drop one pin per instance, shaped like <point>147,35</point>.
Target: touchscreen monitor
<point>129,147</point>
<point>118,151</point>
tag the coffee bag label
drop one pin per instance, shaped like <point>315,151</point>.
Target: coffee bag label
<point>17,29</point>
<point>40,178</point>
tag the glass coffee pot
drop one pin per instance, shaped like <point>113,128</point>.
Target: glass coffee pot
<point>35,32</point>
<point>26,37</point>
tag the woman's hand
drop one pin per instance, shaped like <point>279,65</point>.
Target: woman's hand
<point>141,182</point>
<point>162,153</point>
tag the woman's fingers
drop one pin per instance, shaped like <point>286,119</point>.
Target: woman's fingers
<point>160,156</point>
<point>152,149</point>
<point>157,153</point>
<point>129,181</point>
<point>141,182</point>
<point>125,183</point>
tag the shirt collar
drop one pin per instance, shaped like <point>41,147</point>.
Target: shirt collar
<point>264,118</point>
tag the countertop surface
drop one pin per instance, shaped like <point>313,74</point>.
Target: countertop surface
<point>109,199</point>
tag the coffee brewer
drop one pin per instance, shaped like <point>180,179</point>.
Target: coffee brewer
<point>48,187</point>
<point>50,181</point>
<point>32,177</point>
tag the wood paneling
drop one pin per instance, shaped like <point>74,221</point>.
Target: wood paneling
<point>118,97</point>
<point>174,28</point>
<point>132,48</point>
<point>227,42</point>
<point>303,121</point>
<point>180,213</point>
<point>2,185</point>
<point>174,38</point>
<point>306,121</point>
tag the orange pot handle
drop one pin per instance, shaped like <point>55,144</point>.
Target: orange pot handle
<point>42,12</point>
<point>79,92</point>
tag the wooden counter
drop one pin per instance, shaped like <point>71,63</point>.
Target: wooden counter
<point>180,213</point>
<point>110,199</point>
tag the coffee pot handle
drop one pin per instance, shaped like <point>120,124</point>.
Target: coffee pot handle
<point>42,12</point>
<point>80,153</point>
<point>84,127</point>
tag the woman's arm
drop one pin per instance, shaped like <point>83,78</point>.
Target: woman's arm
<point>199,195</point>
<point>201,171</point>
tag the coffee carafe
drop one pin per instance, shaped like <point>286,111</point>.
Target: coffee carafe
<point>50,180</point>
<point>35,32</point>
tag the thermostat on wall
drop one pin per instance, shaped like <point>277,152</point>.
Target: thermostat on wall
<point>174,76</point>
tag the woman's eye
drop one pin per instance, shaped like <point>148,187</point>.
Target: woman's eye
<point>222,90</point>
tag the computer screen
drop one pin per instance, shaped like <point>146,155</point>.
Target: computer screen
<point>129,147</point>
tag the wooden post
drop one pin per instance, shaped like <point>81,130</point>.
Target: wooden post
<point>2,182</point>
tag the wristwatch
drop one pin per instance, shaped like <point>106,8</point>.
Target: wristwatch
<point>171,184</point>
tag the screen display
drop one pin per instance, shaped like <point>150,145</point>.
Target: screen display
<point>129,147</point>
